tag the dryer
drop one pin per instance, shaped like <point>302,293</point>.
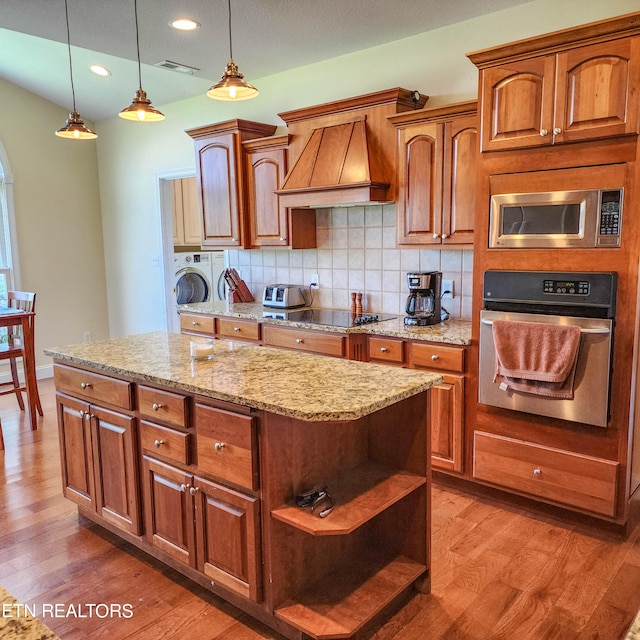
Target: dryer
<point>198,276</point>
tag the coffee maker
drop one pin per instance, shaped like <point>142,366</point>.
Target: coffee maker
<point>423,302</point>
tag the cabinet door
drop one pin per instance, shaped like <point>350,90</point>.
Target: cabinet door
<point>268,219</point>
<point>178,214</point>
<point>597,91</point>
<point>459,192</point>
<point>228,538</point>
<point>76,456</point>
<point>116,469</point>
<point>517,104</point>
<point>446,423</point>
<point>190,212</point>
<point>218,188</point>
<point>420,189</point>
<point>168,510</point>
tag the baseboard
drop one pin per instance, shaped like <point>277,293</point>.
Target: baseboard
<point>42,372</point>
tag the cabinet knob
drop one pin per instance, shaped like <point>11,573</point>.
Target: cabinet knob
<point>435,236</point>
<point>156,406</point>
<point>283,239</point>
<point>434,357</point>
<point>194,323</point>
<point>193,490</point>
<point>218,446</point>
<point>234,239</point>
<point>299,340</point>
<point>185,487</point>
<point>557,130</point>
<point>88,416</point>
<point>81,413</point>
<point>85,385</point>
<point>383,349</point>
<point>444,236</point>
<point>537,472</point>
<point>158,443</point>
<point>236,328</point>
<point>544,132</point>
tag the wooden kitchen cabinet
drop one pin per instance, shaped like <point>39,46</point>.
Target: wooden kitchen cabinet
<point>220,177</point>
<point>99,465</point>
<point>186,213</point>
<point>197,323</point>
<point>321,342</point>
<point>271,224</point>
<point>238,329</point>
<point>582,93</point>
<point>437,163</point>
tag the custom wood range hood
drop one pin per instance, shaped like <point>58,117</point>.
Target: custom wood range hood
<point>345,152</point>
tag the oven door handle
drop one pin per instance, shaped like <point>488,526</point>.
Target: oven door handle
<point>489,323</point>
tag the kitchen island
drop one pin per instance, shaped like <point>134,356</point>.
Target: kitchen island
<point>199,463</point>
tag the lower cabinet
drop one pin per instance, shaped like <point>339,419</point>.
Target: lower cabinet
<point>205,525</point>
<point>99,466</point>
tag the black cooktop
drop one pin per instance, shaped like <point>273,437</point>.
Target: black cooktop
<point>329,317</point>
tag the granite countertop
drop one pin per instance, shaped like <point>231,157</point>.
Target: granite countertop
<point>299,385</point>
<point>449,332</point>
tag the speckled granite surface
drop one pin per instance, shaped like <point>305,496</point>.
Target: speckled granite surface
<point>17,624</point>
<point>299,385</point>
<point>449,332</point>
<point>634,631</point>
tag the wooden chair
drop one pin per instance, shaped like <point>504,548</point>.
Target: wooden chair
<point>14,348</point>
<point>1,438</point>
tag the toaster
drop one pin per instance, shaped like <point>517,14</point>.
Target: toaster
<point>283,296</point>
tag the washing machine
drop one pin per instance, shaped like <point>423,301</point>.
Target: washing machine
<point>198,277</point>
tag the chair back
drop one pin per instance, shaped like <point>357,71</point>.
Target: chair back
<point>24,300</point>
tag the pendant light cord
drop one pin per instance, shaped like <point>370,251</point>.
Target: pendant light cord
<point>73,90</point>
<point>135,9</point>
<point>230,44</point>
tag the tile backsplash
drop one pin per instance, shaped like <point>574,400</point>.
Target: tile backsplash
<point>357,252</point>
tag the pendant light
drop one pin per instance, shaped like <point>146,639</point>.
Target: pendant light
<point>74,128</point>
<point>141,109</point>
<point>232,85</point>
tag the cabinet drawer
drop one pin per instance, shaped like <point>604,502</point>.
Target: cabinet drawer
<point>315,341</point>
<point>165,442</point>
<point>557,475</point>
<point>236,329</point>
<point>196,323</point>
<point>431,356</point>
<point>94,387</point>
<point>162,405</point>
<point>386,350</point>
<point>226,446</point>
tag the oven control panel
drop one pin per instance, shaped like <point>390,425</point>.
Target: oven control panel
<point>567,287</point>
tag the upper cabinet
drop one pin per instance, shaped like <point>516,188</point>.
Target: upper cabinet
<point>437,156</point>
<point>560,88</point>
<point>271,224</point>
<point>220,175</point>
<point>186,213</point>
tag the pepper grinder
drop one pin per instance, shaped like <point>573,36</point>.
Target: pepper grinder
<point>353,303</point>
<point>358,304</point>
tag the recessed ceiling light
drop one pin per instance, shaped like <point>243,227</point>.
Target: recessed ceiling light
<point>99,70</point>
<point>184,24</point>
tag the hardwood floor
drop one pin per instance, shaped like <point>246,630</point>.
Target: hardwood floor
<point>497,572</point>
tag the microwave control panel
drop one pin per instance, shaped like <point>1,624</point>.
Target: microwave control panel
<point>610,218</point>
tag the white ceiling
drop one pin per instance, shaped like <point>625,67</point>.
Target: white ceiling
<point>269,36</point>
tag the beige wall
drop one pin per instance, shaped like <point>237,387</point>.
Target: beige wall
<point>132,157</point>
<point>58,221</point>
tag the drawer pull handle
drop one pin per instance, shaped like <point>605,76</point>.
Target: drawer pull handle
<point>236,328</point>
<point>85,385</point>
<point>218,446</point>
<point>194,323</point>
<point>434,357</point>
<point>156,406</point>
<point>537,472</point>
<point>185,487</point>
<point>158,443</point>
<point>193,490</point>
<point>383,349</point>
<point>299,340</point>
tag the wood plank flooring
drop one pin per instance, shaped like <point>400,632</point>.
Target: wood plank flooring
<point>498,573</point>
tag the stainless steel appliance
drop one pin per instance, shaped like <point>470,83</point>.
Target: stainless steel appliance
<point>328,317</point>
<point>283,296</point>
<point>586,300</point>
<point>559,219</point>
<point>423,301</point>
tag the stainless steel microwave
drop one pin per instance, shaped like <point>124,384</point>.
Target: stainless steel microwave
<point>557,219</point>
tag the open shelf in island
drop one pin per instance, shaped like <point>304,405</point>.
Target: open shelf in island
<point>360,494</point>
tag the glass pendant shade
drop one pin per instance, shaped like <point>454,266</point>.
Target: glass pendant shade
<point>141,109</point>
<point>76,129</point>
<point>232,85</point>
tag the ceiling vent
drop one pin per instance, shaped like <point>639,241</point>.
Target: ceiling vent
<point>175,66</point>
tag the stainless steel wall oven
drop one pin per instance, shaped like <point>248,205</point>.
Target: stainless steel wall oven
<point>543,301</point>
